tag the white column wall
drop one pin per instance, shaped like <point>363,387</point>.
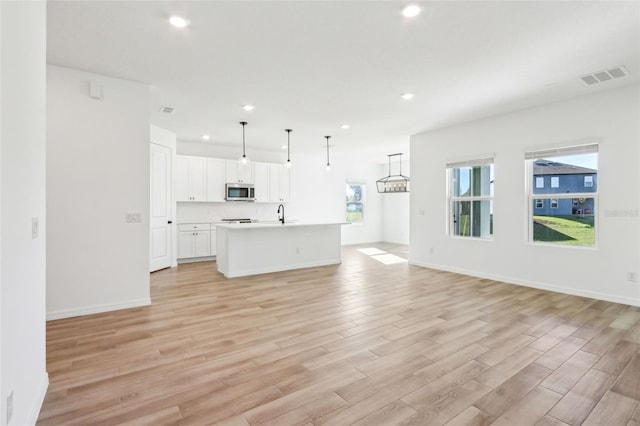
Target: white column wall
<point>97,171</point>
<point>609,116</point>
<point>22,197</point>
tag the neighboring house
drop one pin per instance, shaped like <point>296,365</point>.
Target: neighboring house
<point>551,177</point>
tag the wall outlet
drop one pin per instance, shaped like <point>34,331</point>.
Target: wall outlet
<point>632,276</point>
<point>9,407</point>
<point>431,250</point>
<point>34,228</point>
<point>297,250</point>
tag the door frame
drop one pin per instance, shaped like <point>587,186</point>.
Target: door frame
<point>167,139</point>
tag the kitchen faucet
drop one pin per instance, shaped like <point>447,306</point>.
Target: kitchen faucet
<point>281,219</point>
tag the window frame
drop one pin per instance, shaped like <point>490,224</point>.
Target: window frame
<point>362,202</point>
<point>453,199</point>
<point>530,157</point>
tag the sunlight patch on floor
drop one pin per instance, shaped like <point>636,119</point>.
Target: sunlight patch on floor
<point>382,256</point>
<point>389,259</point>
<point>371,251</point>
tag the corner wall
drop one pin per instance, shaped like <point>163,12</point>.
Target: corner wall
<point>97,171</point>
<point>22,197</point>
<point>611,117</point>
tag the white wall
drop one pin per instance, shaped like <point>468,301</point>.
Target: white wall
<point>395,209</point>
<point>22,197</point>
<point>610,116</point>
<point>315,194</point>
<point>97,170</point>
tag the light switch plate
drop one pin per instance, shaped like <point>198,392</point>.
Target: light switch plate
<point>133,217</point>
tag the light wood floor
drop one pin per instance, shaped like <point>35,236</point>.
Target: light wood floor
<point>358,343</point>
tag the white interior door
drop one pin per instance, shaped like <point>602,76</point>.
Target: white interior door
<point>160,216</point>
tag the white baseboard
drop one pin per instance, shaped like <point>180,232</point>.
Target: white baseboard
<point>533,284</point>
<point>267,270</point>
<point>36,405</point>
<point>96,309</point>
<point>195,259</point>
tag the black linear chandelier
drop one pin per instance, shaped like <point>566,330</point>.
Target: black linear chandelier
<point>393,183</point>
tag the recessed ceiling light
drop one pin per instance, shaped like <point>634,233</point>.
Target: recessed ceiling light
<point>247,107</point>
<point>205,137</point>
<point>411,11</point>
<point>283,146</point>
<point>179,21</point>
<point>345,126</point>
<point>407,96</point>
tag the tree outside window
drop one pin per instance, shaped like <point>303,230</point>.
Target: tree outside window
<point>356,194</point>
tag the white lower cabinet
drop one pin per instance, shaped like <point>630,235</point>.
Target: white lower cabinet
<point>194,240</point>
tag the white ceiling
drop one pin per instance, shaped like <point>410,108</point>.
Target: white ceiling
<point>315,65</point>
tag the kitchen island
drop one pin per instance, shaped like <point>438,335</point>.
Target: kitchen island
<point>257,248</point>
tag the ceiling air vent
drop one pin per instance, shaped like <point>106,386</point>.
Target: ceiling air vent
<point>167,110</point>
<point>602,76</point>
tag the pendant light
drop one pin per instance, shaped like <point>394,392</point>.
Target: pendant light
<point>288,147</point>
<point>243,160</point>
<point>328,168</point>
<point>393,183</point>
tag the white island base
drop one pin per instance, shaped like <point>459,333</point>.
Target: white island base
<point>257,248</point>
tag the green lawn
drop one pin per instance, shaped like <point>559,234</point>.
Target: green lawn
<point>354,217</point>
<point>571,230</point>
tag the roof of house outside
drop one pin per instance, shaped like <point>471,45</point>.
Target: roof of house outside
<point>548,167</point>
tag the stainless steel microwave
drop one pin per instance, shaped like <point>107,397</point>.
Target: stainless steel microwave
<point>239,192</point>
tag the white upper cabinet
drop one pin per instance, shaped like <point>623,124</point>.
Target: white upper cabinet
<point>280,183</point>
<point>239,173</point>
<point>215,179</point>
<point>191,178</point>
<point>204,179</point>
<point>262,187</point>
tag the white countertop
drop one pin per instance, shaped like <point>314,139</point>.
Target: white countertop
<point>257,225</point>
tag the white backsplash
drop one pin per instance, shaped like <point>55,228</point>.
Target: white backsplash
<point>215,212</point>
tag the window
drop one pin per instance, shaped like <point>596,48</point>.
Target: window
<point>539,182</point>
<point>471,198</point>
<point>569,218</point>
<point>356,193</point>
